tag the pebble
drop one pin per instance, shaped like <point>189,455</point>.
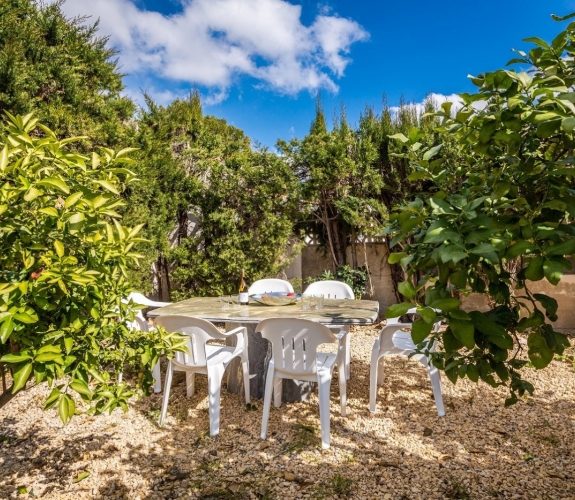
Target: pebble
<point>403,451</point>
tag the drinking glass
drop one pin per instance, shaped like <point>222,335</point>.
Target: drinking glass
<point>225,302</point>
<point>318,299</point>
<point>234,301</point>
<point>306,302</point>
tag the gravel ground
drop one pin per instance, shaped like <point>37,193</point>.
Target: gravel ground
<point>405,451</point>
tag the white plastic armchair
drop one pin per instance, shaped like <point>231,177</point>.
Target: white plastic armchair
<point>393,340</point>
<point>141,324</point>
<point>203,358</point>
<point>295,356</point>
<point>332,289</point>
<point>270,285</point>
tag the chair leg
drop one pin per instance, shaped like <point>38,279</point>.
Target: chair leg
<point>376,370</point>
<point>278,386</point>
<point>267,399</point>
<point>215,375</point>
<point>246,370</point>
<point>342,390</point>
<point>323,386</point>
<point>190,384</point>
<point>347,355</point>
<point>380,374</point>
<point>167,385</point>
<point>157,377</point>
<point>436,386</point>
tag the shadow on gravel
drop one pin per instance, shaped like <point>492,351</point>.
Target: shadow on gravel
<point>478,450</point>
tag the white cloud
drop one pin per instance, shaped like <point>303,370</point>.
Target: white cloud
<point>212,42</point>
<point>438,100</point>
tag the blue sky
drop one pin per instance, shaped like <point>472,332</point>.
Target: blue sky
<point>260,63</point>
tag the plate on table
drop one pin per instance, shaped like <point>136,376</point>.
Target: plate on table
<point>275,298</point>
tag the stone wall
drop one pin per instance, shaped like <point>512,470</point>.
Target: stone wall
<point>313,261</point>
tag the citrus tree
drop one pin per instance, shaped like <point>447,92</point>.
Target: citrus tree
<point>494,221</point>
<point>63,263</point>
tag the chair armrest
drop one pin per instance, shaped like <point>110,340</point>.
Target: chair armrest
<point>241,333</point>
<point>341,334</point>
<point>235,331</point>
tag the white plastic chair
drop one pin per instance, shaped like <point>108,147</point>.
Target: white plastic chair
<point>295,356</point>
<point>270,285</point>
<point>210,360</point>
<point>332,289</point>
<point>141,324</point>
<point>392,340</point>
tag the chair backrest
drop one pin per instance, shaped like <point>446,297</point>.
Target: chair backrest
<point>294,343</point>
<point>270,285</point>
<point>142,300</point>
<point>139,322</point>
<point>199,332</point>
<point>393,325</point>
<point>330,289</point>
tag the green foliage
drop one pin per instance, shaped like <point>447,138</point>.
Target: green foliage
<point>60,69</point>
<point>63,263</point>
<point>355,278</point>
<point>212,206</point>
<point>498,215</point>
<point>339,185</point>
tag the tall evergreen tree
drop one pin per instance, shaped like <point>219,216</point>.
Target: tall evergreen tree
<point>61,69</point>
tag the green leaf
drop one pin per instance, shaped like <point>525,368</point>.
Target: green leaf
<point>445,304</point>
<point>568,124</point>
<point>28,318</point>
<point>81,476</point>
<point>21,376</point>
<point>47,357</point>
<point>400,137</point>
<point>451,253</point>
<point>66,408</point>
<point>68,343</point>
<point>108,186</point>
<point>14,358</point>
<point>539,351</point>
<point>52,398</point>
<point>73,199</point>
<point>553,271</point>
<point>464,332</point>
<point>406,289</point>
<point>472,373</point>
<point>395,257</point>
<point>420,330</point>
<point>4,158</point>
<point>54,182</point>
<point>534,271</point>
<point>59,247</point>
<point>549,304</point>
<point>32,194</point>
<point>566,247</point>
<point>6,329</point>
<point>81,388</point>
<point>519,248</point>
<point>397,310</point>
<point>428,314</point>
<point>51,211</point>
<point>430,153</point>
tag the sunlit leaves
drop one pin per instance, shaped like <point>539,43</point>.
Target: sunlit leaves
<point>498,219</point>
<point>63,261</point>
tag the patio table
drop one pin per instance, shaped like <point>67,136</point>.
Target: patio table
<point>334,312</point>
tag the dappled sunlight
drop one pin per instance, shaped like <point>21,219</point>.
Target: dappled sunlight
<point>405,450</point>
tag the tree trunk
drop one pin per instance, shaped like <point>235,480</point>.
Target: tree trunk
<point>353,243</point>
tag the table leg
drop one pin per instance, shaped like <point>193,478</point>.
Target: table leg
<point>259,354</point>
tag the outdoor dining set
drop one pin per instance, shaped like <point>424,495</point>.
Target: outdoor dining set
<point>273,351</point>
